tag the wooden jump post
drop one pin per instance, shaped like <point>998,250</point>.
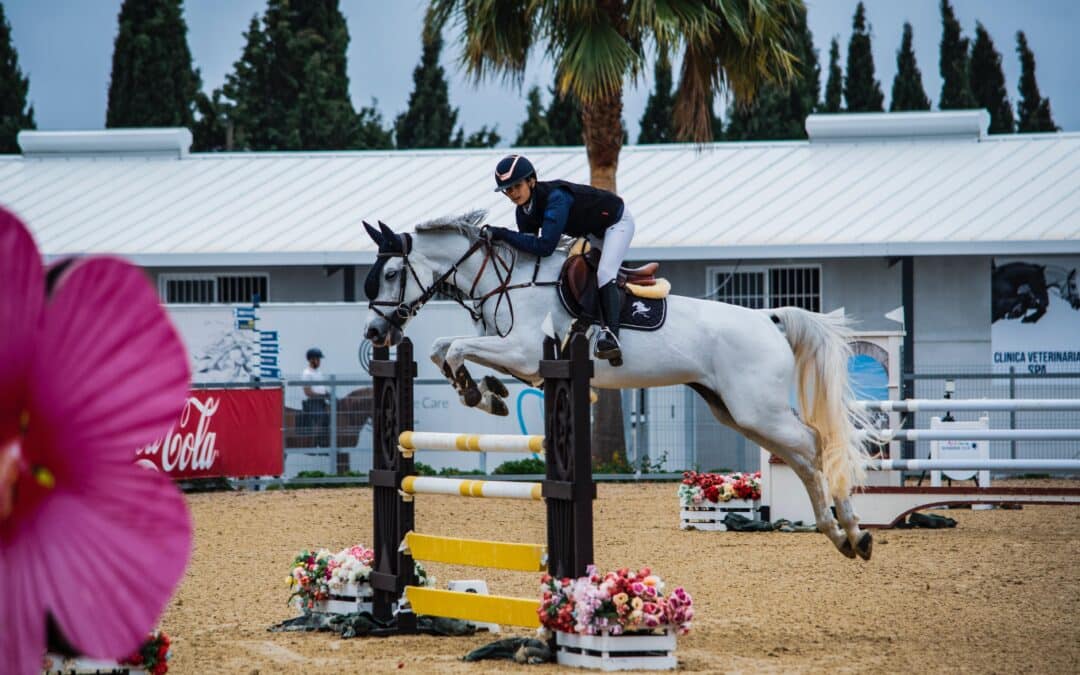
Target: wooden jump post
<point>568,491</point>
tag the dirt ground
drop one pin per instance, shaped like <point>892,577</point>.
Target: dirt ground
<point>999,593</point>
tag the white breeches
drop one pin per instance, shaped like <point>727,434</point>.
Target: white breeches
<point>613,247</point>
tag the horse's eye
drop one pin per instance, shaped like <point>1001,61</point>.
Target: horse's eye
<point>391,275</point>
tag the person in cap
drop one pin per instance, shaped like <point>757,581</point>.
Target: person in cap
<point>547,210</point>
<point>316,407</point>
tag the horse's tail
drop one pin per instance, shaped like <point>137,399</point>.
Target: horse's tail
<point>820,343</point>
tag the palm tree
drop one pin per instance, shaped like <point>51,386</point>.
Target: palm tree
<point>596,45</point>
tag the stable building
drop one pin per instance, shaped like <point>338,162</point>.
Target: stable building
<point>970,242</point>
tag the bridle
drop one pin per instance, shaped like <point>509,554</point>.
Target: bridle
<point>401,312</point>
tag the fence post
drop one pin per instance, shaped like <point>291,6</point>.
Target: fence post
<point>1012,414</point>
<point>392,407</point>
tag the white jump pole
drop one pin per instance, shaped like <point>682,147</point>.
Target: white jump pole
<point>432,440</point>
<point>957,405</point>
<point>975,465</point>
<point>413,485</point>
<point>979,435</point>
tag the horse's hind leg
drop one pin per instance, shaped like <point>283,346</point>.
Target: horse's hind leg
<point>862,541</point>
<point>787,437</point>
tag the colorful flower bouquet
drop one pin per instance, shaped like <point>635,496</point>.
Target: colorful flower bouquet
<point>614,604</point>
<point>153,656</point>
<point>702,489</point>
<point>318,575</point>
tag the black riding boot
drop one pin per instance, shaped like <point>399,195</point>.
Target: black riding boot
<point>607,343</point>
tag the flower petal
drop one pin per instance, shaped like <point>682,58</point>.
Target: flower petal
<point>108,557</point>
<point>22,616</point>
<point>22,297</point>
<point>110,374</point>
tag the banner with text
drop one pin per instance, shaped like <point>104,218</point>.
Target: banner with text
<point>222,432</point>
<point>1035,315</point>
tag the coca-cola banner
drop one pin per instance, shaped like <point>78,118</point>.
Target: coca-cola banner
<point>222,432</point>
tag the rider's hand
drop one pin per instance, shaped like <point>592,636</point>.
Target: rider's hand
<point>491,234</point>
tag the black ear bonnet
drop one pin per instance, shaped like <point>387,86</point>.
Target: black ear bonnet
<point>391,245</point>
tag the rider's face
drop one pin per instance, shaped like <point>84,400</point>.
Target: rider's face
<point>520,193</point>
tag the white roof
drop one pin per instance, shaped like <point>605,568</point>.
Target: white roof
<point>870,190</point>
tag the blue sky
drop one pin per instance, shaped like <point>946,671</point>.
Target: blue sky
<point>65,46</point>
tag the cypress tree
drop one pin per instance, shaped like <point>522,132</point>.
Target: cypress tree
<point>534,130</point>
<point>834,85</point>
<point>429,120</point>
<point>955,85</point>
<point>15,114</point>
<point>290,89</point>
<point>484,138</point>
<point>779,112</point>
<point>656,121</point>
<point>862,91</point>
<point>211,133</point>
<point>370,132</point>
<point>153,83</point>
<point>1032,110</point>
<point>988,82</point>
<point>564,119</point>
<point>907,86</point>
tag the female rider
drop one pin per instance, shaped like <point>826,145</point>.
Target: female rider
<point>546,210</point>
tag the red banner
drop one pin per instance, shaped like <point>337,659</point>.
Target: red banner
<point>222,432</point>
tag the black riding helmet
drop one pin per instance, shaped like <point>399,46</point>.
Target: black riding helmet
<point>512,169</point>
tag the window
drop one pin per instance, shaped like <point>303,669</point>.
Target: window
<point>767,287</point>
<point>236,289</point>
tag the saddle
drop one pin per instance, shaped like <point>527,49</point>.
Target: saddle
<point>644,306</point>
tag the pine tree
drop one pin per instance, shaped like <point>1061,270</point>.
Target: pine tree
<point>656,121</point>
<point>907,86</point>
<point>429,120</point>
<point>534,130</point>
<point>153,83</point>
<point>290,88</point>
<point>779,112</point>
<point>862,91</point>
<point>15,114</point>
<point>834,86</point>
<point>988,82</point>
<point>955,83</point>
<point>1032,110</point>
<point>370,132</point>
<point>564,119</point>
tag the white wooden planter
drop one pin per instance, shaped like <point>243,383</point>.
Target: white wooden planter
<point>637,651</point>
<point>58,665</point>
<point>709,516</point>
<point>351,599</point>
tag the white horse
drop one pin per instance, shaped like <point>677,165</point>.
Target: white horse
<point>743,362</point>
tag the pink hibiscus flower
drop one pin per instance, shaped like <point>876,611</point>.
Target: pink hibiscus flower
<point>90,370</point>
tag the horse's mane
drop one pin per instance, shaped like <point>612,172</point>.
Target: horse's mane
<point>467,224</point>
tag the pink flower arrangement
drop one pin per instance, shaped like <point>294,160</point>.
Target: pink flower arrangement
<point>91,369</point>
<point>617,602</point>
<point>699,488</point>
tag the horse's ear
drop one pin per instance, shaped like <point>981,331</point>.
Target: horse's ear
<point>393,241</point>
<point>374,234</point>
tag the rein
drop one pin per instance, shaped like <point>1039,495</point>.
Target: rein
<point>403,311</point>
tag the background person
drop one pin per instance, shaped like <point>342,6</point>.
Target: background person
<point>316,406</point>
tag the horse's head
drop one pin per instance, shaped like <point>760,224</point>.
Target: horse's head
<point>393,286</point>
<point>1070,292</point>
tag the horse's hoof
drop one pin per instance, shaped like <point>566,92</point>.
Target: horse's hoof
<point>492,384</point>
<point>865,546</point>
<point>472,397</point>
<point>498,407</point>
<point>847,549</point>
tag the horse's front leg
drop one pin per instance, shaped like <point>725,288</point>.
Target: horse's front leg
<point>438,357</point>
<point>503,354</point>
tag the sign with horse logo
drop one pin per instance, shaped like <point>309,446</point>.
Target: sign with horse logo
<point>1035,320</point>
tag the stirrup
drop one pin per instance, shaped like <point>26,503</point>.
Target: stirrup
<point>610,353</point>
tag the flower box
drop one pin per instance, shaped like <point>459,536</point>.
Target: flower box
<point>78,665</point>
<point>352,598</point>
<point>653,650</point>
<point>710,516</point>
